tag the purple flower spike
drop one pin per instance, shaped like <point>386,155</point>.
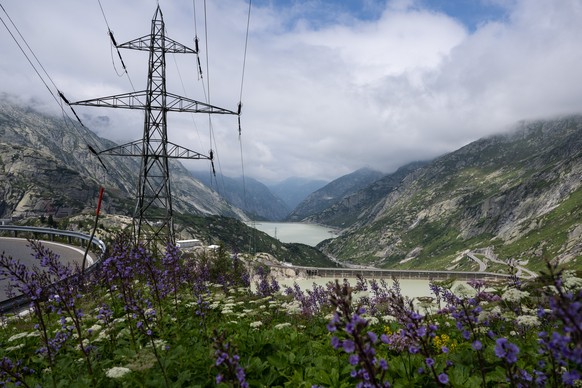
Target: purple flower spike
<point>506,350</point>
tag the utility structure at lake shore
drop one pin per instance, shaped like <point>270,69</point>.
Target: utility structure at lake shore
<point>153,215</point>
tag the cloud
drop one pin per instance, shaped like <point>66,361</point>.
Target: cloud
<point>326,90</point>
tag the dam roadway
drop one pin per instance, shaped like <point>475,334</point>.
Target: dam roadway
<point>373,273</point>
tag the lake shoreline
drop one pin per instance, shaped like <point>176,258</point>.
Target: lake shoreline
<point>296,232</point>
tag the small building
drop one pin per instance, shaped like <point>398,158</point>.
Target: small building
<point>185,244</point>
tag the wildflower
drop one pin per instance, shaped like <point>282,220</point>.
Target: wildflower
<point>16,347</point>
<point>443,378</point>
<point>514,295</point>
<point>348,346</point>
<point>282,325</point>
<point>17,336</point>
<point>117,372</point>
<point>477,345</point>
<point>506,350</point>
<point>228,363</point>
<point>527,320</point>
<point>570,377</point>
<point>94,328</point>
<point>256,325</point>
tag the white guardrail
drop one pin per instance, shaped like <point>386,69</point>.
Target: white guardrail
<point>20,301</point>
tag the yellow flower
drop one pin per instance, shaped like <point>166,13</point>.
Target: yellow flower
<point>443,340</point>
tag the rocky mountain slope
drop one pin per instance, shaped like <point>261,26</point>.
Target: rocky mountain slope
<point>47,169</point>
<point>353,208</point>
<point>333,193</point>
<point>248,194</point>
<point>514,196</point>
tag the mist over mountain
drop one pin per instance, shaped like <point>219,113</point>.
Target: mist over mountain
<point>334,192</point>
<point>294,190</point>
<point>248,194</point>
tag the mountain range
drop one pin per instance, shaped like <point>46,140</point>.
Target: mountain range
<point>514,197</point>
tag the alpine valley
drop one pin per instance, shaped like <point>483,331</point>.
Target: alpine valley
<point>511,197</point>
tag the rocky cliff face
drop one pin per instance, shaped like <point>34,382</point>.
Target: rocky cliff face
<point>519,195</point>
<point>47,169</point>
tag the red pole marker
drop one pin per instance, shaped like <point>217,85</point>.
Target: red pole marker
<point>101,189</point>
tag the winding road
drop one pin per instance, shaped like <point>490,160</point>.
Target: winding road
<point>490,256</point>
<point>19,248</point>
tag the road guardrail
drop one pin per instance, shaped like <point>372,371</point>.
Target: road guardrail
<point>20,301</point>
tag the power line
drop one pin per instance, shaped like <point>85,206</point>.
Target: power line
<point>114,44</point>
<point>26,55</point>
<point>58,101</point>
<point>245,52</point>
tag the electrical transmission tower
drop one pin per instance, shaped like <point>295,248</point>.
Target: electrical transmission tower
<point>153,216</point>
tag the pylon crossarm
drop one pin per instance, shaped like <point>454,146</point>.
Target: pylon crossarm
<point>131,100</point>
<point>175,103</point>
<point>178,152</point>
<point>133,148</point>
<point>145,44</point>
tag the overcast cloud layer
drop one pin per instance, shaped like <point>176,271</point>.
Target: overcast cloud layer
<point>321,97</point>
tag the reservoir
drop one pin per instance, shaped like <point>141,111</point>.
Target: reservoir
<point>295,232</point>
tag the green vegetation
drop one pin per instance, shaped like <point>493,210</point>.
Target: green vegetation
<point>195,321</point>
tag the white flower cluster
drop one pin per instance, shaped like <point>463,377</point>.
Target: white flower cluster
<point>256,325</point>
<point>117,372</point>
<point>95,328</point>
<point>17,336</point>
<point>514,295</point>
<point>570,281</point>
<point>388,318</point>
<point>16,347</point>
<point>371,319</point>
<point>527,320</point>
<point>293,307</point>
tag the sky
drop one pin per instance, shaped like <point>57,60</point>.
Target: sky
<point>327,86</point>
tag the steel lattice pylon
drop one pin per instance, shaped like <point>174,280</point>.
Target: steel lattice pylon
<point>153,216</point>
